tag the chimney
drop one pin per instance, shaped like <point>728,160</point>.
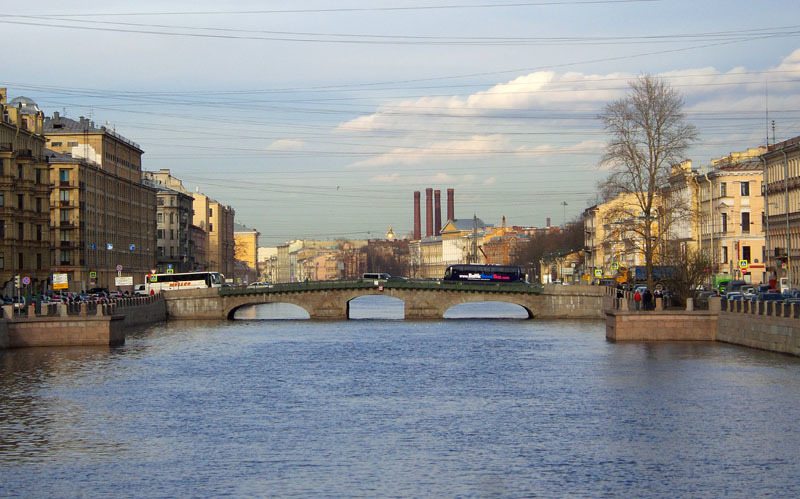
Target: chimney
<point>437,213</point>
<point>450,215</point>
<point>417,231</point>
<point>428,212</point>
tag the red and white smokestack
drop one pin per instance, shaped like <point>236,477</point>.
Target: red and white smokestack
<point>437,214</point>
<point>417,230</point>
<point>450,205</point>
<point>428,212</point>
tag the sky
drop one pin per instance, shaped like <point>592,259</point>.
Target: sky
<point>320,118</point>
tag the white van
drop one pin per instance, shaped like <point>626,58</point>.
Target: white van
<point>140,290</point>
<point>784,284</point>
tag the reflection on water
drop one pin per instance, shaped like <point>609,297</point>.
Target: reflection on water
<point>383,307</point>
<point>397,408</point>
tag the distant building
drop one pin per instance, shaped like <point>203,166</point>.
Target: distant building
<point>215,219</point>
<point>24,195</point>
<point>246,252</point>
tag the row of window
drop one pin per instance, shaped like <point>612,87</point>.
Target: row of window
<point>39,202</point>
<point>39,173</point>
<point>38,231</point>
<point>21,261</point>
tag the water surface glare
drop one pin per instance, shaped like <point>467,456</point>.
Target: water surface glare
<point>366,408</point>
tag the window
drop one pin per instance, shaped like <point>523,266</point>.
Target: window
<point>21,261</point>
<point>20,170</point>
<point>724,254</point>
<point>2,198</point>
<point>21,231</point>
<point>211,227</point>
<point>63,196</point>
<point>723,191</point>
<point>160,217</point>
<point>65,236</point>
<point>2,229</point>
<point>38,205</point>
<point>160,251</point>
<point>64,216</point>
<point>20,202</point>
<point>746,253</point>
<point>38,232</point>
<point>38,176</point>
<point>724,222</point>
<point>171,218</point>
<point>745,188</point>
<point>66,256</point>
<point>38,261</point>
<point>745,222</point>
<point>63,176</point>
<point>72,144</point>
<point>2,260</point>
<point>172,251</point>
<point>57,144</point>
<point>171,234</point>
<point>160,234</point>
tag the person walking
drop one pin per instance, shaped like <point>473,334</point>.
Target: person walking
<point>647,300</point>
<point>637,298</point>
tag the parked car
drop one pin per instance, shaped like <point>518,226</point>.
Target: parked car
<point>734,295</point>
<point>701,299</point>
<point>771,296</point>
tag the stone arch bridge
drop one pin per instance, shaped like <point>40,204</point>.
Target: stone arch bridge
<point>422,299</point>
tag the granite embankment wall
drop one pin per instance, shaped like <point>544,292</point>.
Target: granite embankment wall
<point>764,325</point>
<point>79,324</point>
<point>574,302</point>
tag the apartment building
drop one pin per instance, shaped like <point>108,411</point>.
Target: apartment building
<point>24,195</point>
<point>782,207</point>
<point>102,213</point>
<point>731,214</point>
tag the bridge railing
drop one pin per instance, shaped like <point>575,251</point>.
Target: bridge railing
<point>411,284</point>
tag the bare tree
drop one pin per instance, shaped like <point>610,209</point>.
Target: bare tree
<point>647,135</point>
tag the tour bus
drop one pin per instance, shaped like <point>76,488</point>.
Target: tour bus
<point>484,273</point>
<point>187,280</point>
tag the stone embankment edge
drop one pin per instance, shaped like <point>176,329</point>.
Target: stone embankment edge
<point>83,329</point>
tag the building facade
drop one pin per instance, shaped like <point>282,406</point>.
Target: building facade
<point>24,195</point>
<point>731,214</point>
<point>103,215</point>
<point>246,253</point>
<point>782,207</point>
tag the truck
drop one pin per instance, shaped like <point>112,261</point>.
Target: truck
<point>661,273</point>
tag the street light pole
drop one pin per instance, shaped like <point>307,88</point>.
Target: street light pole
<point>564,204</point>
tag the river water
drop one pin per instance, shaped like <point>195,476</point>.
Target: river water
<point>366,408</point>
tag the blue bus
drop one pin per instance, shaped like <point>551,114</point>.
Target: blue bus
<point>484,273</point>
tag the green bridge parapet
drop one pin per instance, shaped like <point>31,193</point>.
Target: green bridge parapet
<point>299,287</point>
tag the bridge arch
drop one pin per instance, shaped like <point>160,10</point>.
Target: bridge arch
<point>467,299</point>
<point>231,312</point>
<point>376,306</point>
<point>497,309</point>
<point>274,310</point>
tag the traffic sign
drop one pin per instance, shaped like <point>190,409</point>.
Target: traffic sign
<point>119,268</point>
<point>170,271</point>
<point>743,264</point>
<point>26,280</point>
<point>614,266</point>
<point>109,246</point>
<point>598,272</point>
<point>93,274</point>
<point>132,247</point>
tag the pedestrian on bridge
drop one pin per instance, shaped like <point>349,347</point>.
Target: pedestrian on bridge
<point>637,297</point>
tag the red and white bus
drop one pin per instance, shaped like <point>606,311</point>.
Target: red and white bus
<point>187,280</point>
